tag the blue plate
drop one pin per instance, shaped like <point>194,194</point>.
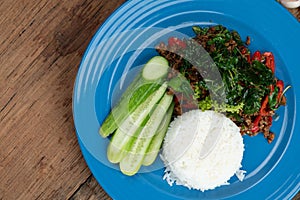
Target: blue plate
<point>126,41</point>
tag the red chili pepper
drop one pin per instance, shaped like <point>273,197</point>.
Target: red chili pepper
<point>269,60</point>
<point>244,50</point>
<point>246,54</point>
<point>256,56</point>
<point>280,86</point>
<point>263,107</point>
<point>255,126</point>
<point>248,58</point>
<point>174,41</point>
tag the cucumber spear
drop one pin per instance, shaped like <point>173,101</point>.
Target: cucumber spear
<point>133,160</point>
<point>148,81</point>
<point>129,128</point>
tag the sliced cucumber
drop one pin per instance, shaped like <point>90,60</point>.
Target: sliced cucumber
<point>156,68</point>
<point>130,126</point>
<point>133,160</point>
<point>157,140</point>
<point>152,75</point>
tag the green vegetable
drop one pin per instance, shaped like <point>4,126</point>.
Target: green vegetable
<point>253,99</point>
<point>133,160</point>
<point>257,74</point>
<point>180,84</point>
<point>273,101</point>
<point>148,81</point>
<point>158,138</point>
<point>208,104</point>
<point>129,128</point>
<point>245,83</point>
<point>127,104</point>
<point>156,68</point>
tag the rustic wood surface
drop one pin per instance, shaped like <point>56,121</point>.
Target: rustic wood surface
<point>41,45</point>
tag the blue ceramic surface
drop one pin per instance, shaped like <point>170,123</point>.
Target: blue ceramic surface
<point>127,40</point>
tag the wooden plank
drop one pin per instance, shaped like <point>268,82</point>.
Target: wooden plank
<point>42,43</point>
<point>90,190</point>
<point>295,12</point>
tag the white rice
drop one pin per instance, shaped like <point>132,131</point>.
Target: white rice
<point>199,162</point>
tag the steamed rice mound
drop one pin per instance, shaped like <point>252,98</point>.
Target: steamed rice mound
<point>199,162</point>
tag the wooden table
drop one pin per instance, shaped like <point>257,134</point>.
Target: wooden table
<point>41,45</point>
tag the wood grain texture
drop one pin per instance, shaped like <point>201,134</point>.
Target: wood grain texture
<point>295,12</point>
<point>41,45</point>
<point>90,190</point>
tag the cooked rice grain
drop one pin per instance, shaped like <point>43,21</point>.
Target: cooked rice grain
<point>186,142</point>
